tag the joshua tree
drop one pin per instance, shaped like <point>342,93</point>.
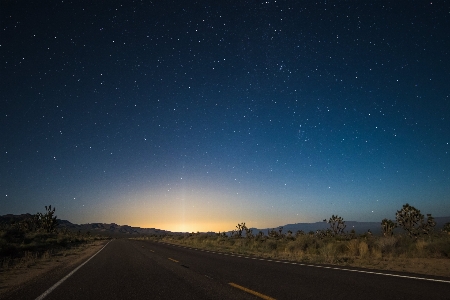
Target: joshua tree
<point>280,231</point>
<point>322,233</point>
<point>260,234</point>
<point>299,233</point>
<point>352,234</point>
<point>411,220</point>
<point>239,228</point>
<point>272,233</point>
<point>427,226</point>
<point>387,226</point>
<point>446,227</point>
<point>248,232</point>
<point>46,221</point>
<point>337,224</point>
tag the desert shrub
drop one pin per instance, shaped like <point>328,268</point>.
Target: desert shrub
<point>271,245</point>
<point>291,247</point>
<point>200,238</point>
<point>421,247</point>
<point>443,248</point>
<point>253,246</point>
<point>7,249</point>
<point>47,254</point>
<point>328,253</point>
<point>403,246</point>
<point>353,247</point>
<point>387,244</point>
<point>13,235</point>
<point>306,242</point>
<point>341,247</point>
<point>221,241</point>
<point>63,240</point>
<point>314,246</point>
<point>239,242</point>
<point>28,259</point>
<point>438,247</point>
<point>231,242</point>
<point>375,252</point>
<point>363,249</point>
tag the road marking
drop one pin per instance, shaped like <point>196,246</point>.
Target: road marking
<point>262,296</point>
<point>173,259</point>
<point>152,251</point>
<point>47,292</point>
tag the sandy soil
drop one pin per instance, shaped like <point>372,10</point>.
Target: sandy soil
<point>29,269</point>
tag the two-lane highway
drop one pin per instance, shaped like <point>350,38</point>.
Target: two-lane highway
<point>130,269</point>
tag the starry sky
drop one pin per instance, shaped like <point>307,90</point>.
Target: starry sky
<point>197,115</point>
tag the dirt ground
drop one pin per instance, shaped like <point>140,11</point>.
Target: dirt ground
<point>28,269</point>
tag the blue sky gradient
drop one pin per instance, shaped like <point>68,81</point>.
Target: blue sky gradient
<point>196,116</point>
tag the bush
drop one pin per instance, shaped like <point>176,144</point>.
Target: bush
<point>353,247</point>
<point>328,253</point>
<point>386,244</point>
<point>271,245</point>
<point>363,249</point>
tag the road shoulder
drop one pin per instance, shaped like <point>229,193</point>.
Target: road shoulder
<point>30,272</point>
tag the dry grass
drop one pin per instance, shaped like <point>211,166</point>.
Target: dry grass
<point>19,249</point>
<point>17,272</point>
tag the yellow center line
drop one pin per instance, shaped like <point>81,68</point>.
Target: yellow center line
<point>262,296</point>
<point>173,259</point>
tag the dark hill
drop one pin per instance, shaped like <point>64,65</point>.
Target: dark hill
<point>113,229</point>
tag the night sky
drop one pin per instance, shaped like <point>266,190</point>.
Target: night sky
<point>197,115</point>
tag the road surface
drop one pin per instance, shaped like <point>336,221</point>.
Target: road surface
<point>131,269</point>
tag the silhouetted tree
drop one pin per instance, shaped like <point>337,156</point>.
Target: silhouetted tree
<point>410,219</point>
<point>46,221</point>
<point>446,227</point>
<point>337,224</point>
<point>387,227</point>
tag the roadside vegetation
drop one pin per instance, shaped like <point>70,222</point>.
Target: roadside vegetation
<point>26,242</point>
<point>419,248</point>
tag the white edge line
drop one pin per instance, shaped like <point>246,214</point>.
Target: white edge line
<point>47,292</point>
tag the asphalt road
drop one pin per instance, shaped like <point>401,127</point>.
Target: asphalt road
<point>129,269</point>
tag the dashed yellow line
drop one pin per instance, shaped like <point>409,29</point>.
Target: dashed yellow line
<point>262,296</point>
<point>173,259</point>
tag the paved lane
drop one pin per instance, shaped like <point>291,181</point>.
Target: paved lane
<point>128,269</point>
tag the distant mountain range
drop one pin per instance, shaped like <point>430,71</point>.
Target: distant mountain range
<point>113,229</point>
